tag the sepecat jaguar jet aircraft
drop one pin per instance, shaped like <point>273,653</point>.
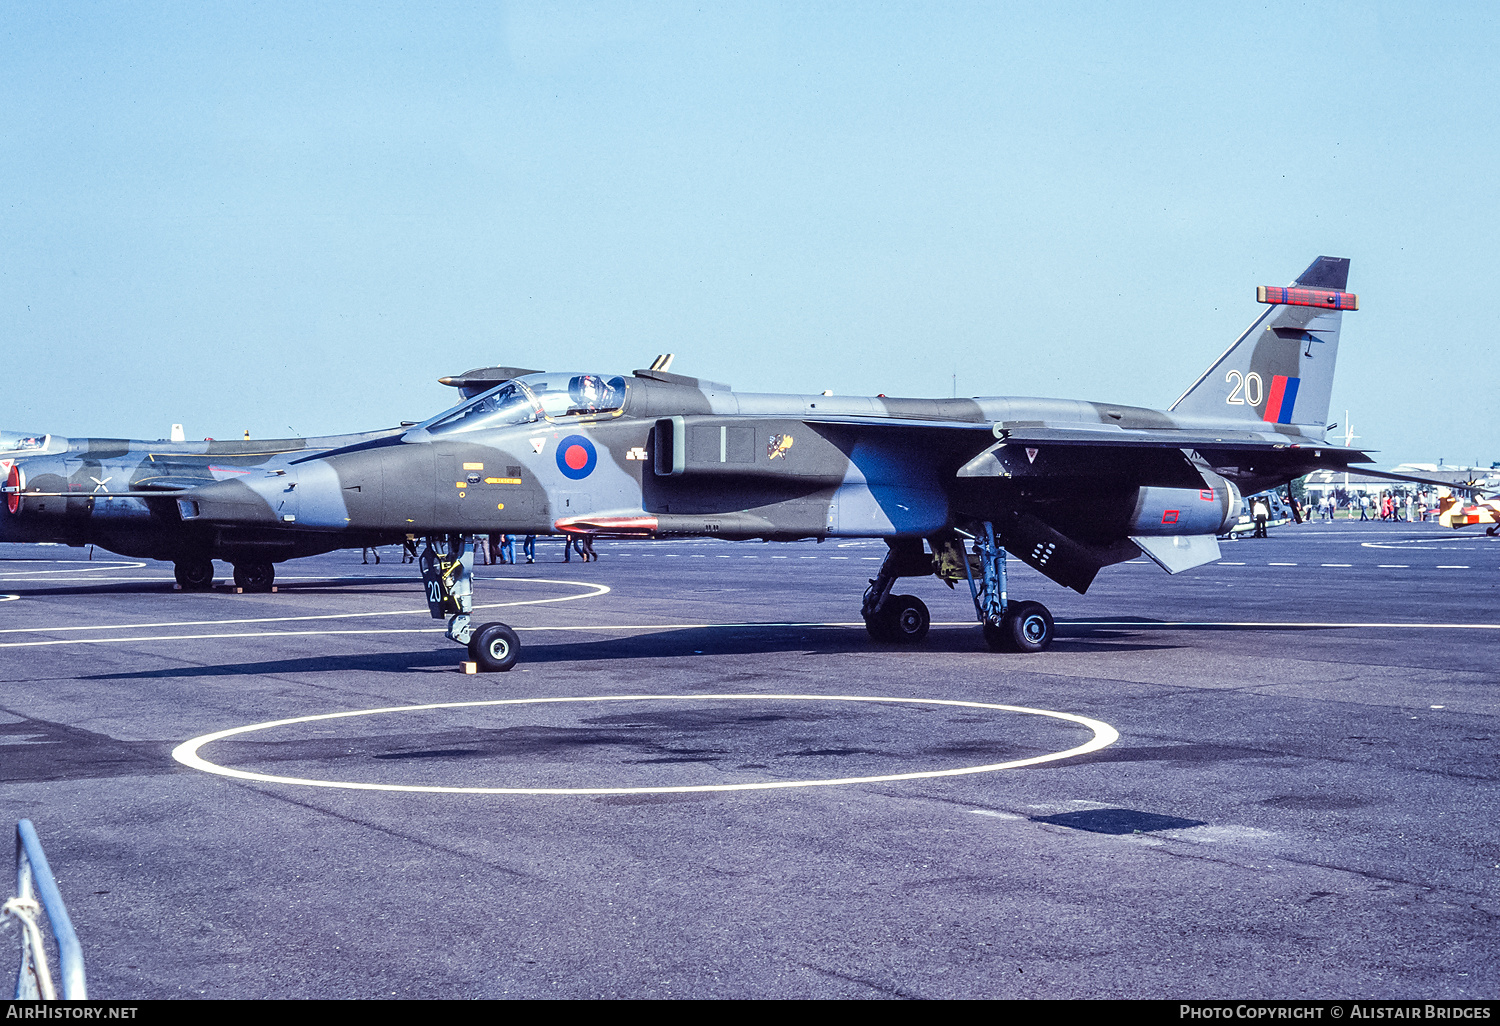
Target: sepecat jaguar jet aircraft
<point>951,485</point>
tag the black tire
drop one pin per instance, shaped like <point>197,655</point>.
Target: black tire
<point>998,636</point>
<point>194,574</point>
<point>879,625</point>
<point>495,648</point>
<point>254,576</point>
<point>907,619</point>
<point>1030,627</point>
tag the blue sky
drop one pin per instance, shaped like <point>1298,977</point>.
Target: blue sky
<point>295,217</point>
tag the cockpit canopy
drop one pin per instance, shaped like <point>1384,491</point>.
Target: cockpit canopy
<point>12,442</point>
<point>532,398</point>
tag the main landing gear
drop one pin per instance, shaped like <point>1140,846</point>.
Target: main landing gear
<point>254,576</point>
<point>447,571</point>
<point>904,620</point>
<point>1008,626</point>
<point>198,575</point>
<point>194,574</point>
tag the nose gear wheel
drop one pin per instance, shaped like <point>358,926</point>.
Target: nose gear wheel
<point>495,648</point>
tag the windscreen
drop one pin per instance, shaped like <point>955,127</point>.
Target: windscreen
<point>533,397</point>
<point>504,406</point>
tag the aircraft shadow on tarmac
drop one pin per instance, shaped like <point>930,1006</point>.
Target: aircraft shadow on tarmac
<point>1118,821</point>
<point>689,642</point>
<point>670,644</point>
<point>41,750</point>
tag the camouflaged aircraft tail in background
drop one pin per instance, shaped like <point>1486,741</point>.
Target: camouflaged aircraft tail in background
<point>1067,486</point>
<point>119,494</point>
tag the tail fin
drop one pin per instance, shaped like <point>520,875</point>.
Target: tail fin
<point>1280,371</point>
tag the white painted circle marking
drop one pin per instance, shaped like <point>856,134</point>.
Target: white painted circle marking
<point>597,590</point>
<point>93,567</point>
<point>1104,735</point>
<point>1454,542</point>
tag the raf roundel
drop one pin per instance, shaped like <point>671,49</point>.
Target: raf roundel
<point>576,457</point>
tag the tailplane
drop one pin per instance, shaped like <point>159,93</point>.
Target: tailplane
<point>1280,371</point>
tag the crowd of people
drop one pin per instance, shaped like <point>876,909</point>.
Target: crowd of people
<point>499,549</point>
<point>1387,506</point>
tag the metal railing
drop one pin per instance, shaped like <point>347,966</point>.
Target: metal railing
<point>36,892</point>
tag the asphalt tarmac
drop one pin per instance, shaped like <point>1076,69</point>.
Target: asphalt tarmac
<point>1295,794</point>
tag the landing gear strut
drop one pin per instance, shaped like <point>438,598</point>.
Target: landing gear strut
<point>447,571</point>
<point>1008,626</point>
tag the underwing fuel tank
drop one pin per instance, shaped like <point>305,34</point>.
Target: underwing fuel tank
<point>1211,509</point>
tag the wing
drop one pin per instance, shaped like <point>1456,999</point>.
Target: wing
<point>1105,451</point>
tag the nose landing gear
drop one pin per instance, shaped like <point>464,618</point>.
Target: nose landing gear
<point>447,571</point>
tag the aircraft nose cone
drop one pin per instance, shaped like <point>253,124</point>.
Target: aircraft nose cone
<point>14,482</point>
